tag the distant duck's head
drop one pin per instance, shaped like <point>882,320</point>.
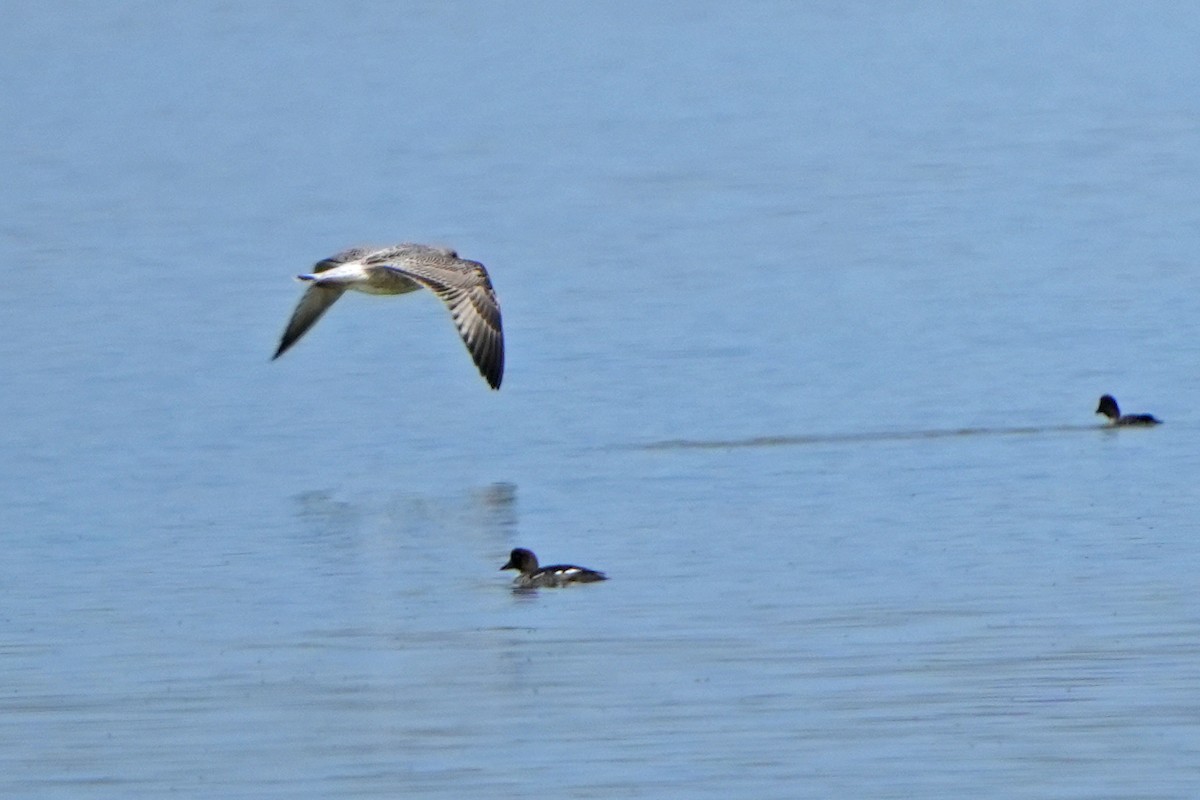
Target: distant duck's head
<point>1108,407</point>
<point>522,560</point>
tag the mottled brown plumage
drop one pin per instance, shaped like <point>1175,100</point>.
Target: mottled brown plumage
<point>464,286</point>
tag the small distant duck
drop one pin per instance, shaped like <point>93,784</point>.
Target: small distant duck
<point>1109,408</point>
<point>534,577</point>
<point>464,286</point>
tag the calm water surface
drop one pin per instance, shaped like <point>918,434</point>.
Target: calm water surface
<point>807,307</point>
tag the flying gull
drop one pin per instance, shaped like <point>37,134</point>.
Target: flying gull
<point>464,286</point>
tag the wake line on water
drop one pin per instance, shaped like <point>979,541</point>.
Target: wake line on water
<point>875,436</point>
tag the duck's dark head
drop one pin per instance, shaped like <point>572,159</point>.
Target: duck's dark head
<point>521,560</point>
<point>1108,407</point>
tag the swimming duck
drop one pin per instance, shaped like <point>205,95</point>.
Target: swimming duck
<point>1108,407</point>
<point>464,286</point>
<point>534,577</point>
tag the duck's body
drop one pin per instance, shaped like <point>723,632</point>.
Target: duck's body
<point>534,577</point>
<point>1109,408</point>
<point>464,286</point>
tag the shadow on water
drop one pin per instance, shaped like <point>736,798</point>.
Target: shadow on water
<point>338,529</point>
<point>493,506</point>
<point>873,436</point>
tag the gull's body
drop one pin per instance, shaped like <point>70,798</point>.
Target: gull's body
<point>464,286</point>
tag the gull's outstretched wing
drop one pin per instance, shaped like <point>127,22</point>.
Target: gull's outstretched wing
<point>466,289</point>
<point>315,302</point>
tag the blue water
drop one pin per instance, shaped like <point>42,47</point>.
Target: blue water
<point>807,309</point>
